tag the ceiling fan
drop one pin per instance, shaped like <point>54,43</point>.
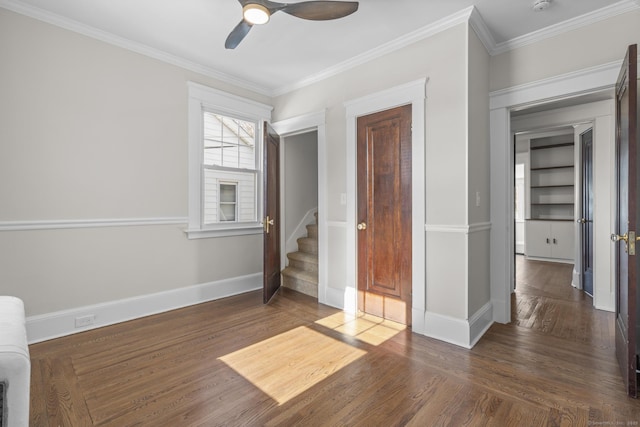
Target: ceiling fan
<point>256,12</point>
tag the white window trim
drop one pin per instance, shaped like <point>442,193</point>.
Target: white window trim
<point>201,98</point>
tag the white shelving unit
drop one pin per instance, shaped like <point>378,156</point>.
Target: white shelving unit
<point>549,228</point>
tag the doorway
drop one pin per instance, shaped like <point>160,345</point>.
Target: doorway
<point>310,128</point>
<point>299,207</point>
<point>567,106</point>
<point>413,93</point>
<point>384,214</point>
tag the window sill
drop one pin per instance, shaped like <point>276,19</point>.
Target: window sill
<point>203,233</point>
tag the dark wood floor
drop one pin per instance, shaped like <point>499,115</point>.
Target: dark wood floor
<point>294,362</point>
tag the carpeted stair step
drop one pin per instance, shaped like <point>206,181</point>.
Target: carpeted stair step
<point>312,231</point>
<point>302,281</point>
<point>303,261</point>
<point>309,245</point>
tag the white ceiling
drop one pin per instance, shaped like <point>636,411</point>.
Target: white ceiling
<point>288,50</point>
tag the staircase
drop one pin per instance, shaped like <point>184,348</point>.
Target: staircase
<point>302,272</point>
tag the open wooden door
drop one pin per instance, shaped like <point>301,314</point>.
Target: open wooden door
<point>627,142</point>
<point>271,220</point>
<point>384,214</point>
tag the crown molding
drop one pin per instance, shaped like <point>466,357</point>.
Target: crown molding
<point>470,15</point>
<point>104,36</point>
<point>624,6</point>
<point>484,34</point>
<point>415,36</point>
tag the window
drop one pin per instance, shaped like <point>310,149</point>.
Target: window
<point>225,168</point>
<point>229,167</point>
<point>228,202</point>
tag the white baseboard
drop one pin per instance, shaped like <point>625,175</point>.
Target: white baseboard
<point>558,260</point>
<point>417,321</point>
<point>61,323</point>
<point>447,329</point>
<point>576,279</point>
<point>500,312</point>
<point>480,323</point>
<point>463,333</point>
<point>335,298</point>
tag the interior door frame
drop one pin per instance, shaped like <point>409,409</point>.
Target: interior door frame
<point>501,103</point>
<point>579,278</point>
<point>295,126</point>
<point>413,93</point>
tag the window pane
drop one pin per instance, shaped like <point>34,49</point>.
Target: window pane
<point>225,188</point>
<point>230,156</point>
<point>228,142</point>
<point>227,213</point>
<point>213,153</point>
<point>227,193</point>
<point>212,126</point>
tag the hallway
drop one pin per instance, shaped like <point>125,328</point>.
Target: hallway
<point>546,302</point>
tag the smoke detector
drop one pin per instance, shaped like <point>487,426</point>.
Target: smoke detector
<point>540,5</point>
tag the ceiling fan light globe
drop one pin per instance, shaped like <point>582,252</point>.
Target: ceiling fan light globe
<point>255,14</point>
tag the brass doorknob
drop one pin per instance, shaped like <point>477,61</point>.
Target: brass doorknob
<point>629,240</point>
<point>362,226</point>
<point>617,237</point>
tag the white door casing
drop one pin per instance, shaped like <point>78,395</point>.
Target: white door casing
<point>501,102</point>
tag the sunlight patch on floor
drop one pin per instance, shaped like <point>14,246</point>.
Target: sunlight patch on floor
<point>365,327</point>
<point>290,363</point>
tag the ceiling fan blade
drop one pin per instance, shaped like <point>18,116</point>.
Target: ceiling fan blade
<point>321,10</point>
<point>237,35</point>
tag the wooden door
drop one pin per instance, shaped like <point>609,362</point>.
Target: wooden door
<point>384,214</point>
<point>627,141</point>
<point>586,222</point>
<point>271,188</point>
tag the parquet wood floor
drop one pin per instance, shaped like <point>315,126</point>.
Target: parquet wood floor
<point>236,362</point>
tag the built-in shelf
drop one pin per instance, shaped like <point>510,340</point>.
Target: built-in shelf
<point>552,177</point>
<point>555,219</point>
<point>553,167</point>
<point>552,204</point>
<point>552,186</point>
<point>547,147</point>
<point>551,195</point>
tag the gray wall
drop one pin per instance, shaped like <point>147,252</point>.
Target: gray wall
<point>588,46</point>
<point>93,131</point>
<point>443,58</point>
<point>300,178</point>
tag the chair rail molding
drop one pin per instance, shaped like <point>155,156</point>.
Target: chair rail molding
<point>88,223</point>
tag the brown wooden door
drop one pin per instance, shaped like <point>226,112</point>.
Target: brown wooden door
<point>384,214</point>
<point>627,141</point>
<point>586,228</point>
<point>271,186</point>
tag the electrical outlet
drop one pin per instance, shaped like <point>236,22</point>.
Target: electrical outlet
<point>83,321</point>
